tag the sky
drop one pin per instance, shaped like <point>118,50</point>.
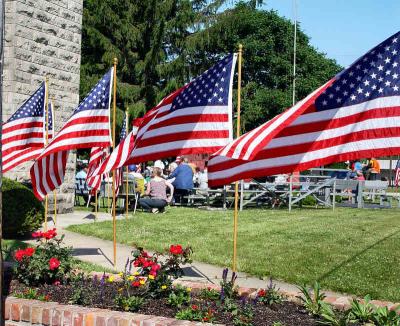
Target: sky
<point>343,29</point>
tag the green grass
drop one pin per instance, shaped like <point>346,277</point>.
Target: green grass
<point>349,250</point>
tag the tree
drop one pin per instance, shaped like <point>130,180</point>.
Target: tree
<point>267,62</point>
<point>147,37</point>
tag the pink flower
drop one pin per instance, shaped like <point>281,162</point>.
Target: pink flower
<point>57,282</point>
<point>54,263</point>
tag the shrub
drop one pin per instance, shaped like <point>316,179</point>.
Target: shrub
<point>48,262</point>
<point>309,201</point>
<point>22,212</point>
<point>160,269</point>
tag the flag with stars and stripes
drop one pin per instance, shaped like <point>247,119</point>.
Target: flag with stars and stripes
<point>119,173</point>
<point>196,118</point>
<point>354,115</point>
<point>88,126</point>
<point>97,156</point>
<point>23,137</point>
<point>120,154</point>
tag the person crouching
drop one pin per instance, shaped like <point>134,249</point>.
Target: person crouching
<point>157,192</point>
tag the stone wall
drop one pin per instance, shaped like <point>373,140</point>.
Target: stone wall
<point>43,38</point>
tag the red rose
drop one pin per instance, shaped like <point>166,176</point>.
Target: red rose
<point>136,284</point>
<point>176,249</point>
<point>153,273</point>
<point>29,251</point>
<point>194,307</point>
<point>155,267</point>
<point>37,234</point>
<point>261,293</point>
<point>50,234</point>
<point>19,255</point>
<point>148,263</point>
<point>54,263</point>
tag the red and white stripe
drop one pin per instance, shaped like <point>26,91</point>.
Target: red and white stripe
<point>97,155</point>
<point>319,138</point>
<point>192,130</point>
<point>84,129</point>
<point>120,155</point>
<point>23,140</point>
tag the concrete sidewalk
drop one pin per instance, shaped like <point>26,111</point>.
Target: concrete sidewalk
<point>100,252</point>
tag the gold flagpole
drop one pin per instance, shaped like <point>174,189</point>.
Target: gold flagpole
<point>95,203</point>
<point>113,176</point>
<point>46,103</point>
<point>127,168</point>
<point>235,214</point>
<point>55,190</point>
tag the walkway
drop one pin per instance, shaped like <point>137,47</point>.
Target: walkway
<point>100,252</point>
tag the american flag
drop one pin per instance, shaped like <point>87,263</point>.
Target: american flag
<point>97,156</point>
<point>354,115</point>
<point>118,158</point>
<point>196,118</point>
<point>24,132</point>
<point>397,176</point>
<point>89,126</point>
<point>119,172</point>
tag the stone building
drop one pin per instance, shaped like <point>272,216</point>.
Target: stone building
<point>43,38</point>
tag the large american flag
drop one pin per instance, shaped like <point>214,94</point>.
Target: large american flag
<point>23,136</point>
<point>119,156</point>
<point>196,118</point>
<point>89,126</point>
<point>355,115</point>
<point>118,179</point>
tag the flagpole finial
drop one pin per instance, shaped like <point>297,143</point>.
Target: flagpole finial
<point>115,61</point>
<point>240,47</point>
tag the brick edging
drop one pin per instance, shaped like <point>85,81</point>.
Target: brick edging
<point>21,311</point>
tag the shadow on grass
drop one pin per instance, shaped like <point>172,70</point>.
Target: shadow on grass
<point>361,252</point>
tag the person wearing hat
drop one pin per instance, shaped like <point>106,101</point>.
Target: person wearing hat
<point>183,183</point>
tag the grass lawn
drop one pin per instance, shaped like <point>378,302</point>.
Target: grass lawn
<point>349,250</point>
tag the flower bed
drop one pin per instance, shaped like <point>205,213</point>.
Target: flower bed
<point>150,286</point>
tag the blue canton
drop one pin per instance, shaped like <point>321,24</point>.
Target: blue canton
<point>210,88</point>
<point>99,97</point>
<point>33,107</point>
<point>122,134</point>
<point>374,75</point>
<point>50,113</point>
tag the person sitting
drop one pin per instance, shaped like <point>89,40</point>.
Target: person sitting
<point>157,191</point>
<point>183,181</point>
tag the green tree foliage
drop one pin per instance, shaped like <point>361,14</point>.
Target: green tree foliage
<point>162,44</point>
<point>267,59</point>
<point>147,37</point>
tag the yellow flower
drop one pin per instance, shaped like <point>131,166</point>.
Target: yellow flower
<point>120,289</point>
<point>142,282</point>
<point>120,274</point>
<point>151,277</point>
<point>131,278</point>
<point>163,287</point>
<point>136,273</point>
<point>110,278</point>
<point>189,289</point>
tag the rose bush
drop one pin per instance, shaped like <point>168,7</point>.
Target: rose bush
<point>49,262</point>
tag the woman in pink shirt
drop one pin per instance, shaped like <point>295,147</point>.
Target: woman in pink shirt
<point>157,192</point>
